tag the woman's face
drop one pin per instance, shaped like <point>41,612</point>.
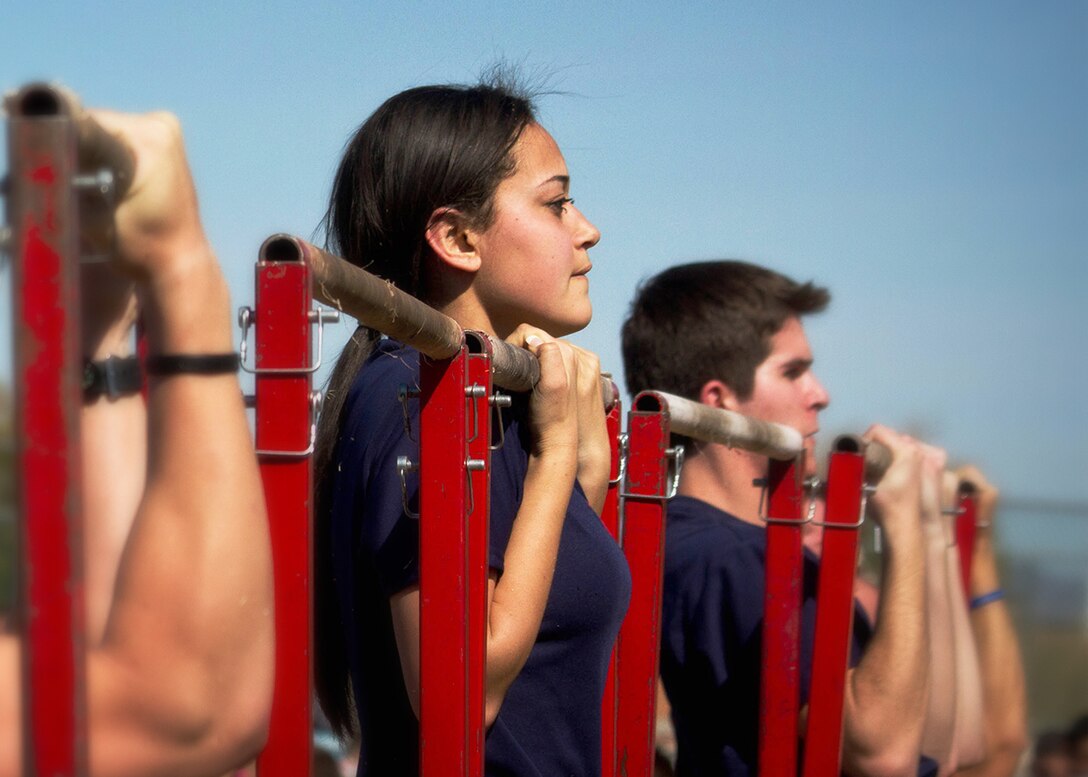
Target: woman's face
<point>534,256</point>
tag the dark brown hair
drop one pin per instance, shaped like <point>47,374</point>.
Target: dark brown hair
<point>426,148</point>
<point>709,321</point>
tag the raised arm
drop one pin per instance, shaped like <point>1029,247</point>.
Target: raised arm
<point>1002,669</point>
<point>886,693</point>
<point>181,680</point>
<point>939,737</point>
<point>518,597</point>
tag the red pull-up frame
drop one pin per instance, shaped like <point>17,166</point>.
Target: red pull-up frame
<point>286,408</point>
<point>610,517</point>
<point>455,462</point>
<point>647,489</point>
<point>845,497</point>
<point>966,524</point>
<point>43,217</point>
<point>779,698</point>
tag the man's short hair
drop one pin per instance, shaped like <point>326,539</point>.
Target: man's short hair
<point>709,321</point>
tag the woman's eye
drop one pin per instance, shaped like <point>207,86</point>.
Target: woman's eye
<point>560,205</point>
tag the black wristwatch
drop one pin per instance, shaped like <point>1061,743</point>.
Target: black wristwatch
<point>115,377</point>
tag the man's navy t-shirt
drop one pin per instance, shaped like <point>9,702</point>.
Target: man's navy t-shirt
<point>550,720</point>
<point>711,636</point>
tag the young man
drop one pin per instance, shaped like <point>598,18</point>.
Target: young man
<point>729,335</point>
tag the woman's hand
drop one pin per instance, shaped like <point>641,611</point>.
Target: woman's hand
<point>580,383</point>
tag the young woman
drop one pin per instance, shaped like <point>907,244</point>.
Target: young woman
<point>458,196</point>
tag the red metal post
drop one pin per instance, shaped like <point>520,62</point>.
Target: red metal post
<point>479,522</point>
<point>779,699</point>
<point>284,441</point>
<point>834,613</point>
<point>643,539</point>
<point>443,554</point>
<point>966,518</point>
<point>610,517</point>
<point>43,217</point>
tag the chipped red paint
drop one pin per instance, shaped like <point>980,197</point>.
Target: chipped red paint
<point>42,209</point>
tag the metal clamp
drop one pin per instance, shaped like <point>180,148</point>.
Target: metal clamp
<point>622,450</point>
<point>246,319</point>
<point>762,484</point>
<point>403,395</point>
<point>472,465</point>
<point>675,457</point>
<point>405,465</point>
<point>815,487</point>
<point>102,180</point>
<point>499,401</point>
<point>475,391</point>
<point>315,408</point>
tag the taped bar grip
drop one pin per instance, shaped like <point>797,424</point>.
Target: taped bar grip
<point>694,419</point>
<point>378,304</point>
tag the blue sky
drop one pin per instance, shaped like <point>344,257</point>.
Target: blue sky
<point>926,161</point>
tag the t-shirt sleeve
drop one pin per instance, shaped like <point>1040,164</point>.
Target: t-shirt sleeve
<point>387,533</point>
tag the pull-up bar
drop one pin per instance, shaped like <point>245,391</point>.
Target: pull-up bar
<point>776,441</point>
<point>380,305</point>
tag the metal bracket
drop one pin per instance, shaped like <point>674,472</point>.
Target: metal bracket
<point>247,317</point>
<point>315,408</point>
<point>499,401</point>
<point>101,180</point>
<point>404,466</point>
<point>403,395</point>
<point>472,465</point>
<point>624,449</point>
<point>675,457</point>
<point>761,484</point>
<point>475,391</point>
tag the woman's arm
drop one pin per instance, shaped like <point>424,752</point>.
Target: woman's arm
<point>518,597</point>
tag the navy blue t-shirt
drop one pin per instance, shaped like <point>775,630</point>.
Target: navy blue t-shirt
<point>550,720</point>
<point>711,636</point>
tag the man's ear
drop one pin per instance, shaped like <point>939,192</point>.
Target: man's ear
<point>452,240</point>
<point>719,395</point>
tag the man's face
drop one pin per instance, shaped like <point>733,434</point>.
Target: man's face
<point>786,390</point>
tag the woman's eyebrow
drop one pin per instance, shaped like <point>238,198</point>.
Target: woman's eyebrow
<point>563,180</point>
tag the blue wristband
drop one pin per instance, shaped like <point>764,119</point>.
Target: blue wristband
<point>984,599</point>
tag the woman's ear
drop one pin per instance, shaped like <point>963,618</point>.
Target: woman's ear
<point>452,240</point>
<point>719,395</point>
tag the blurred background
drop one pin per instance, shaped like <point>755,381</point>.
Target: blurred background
<point>926,161</point>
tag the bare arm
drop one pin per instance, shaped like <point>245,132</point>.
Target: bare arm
<point>939,736</point>
<point>1002,669</point>
<point>181,681</point>
<point>113,435</point>
<point>518,597</point>
<point>886,694</point>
